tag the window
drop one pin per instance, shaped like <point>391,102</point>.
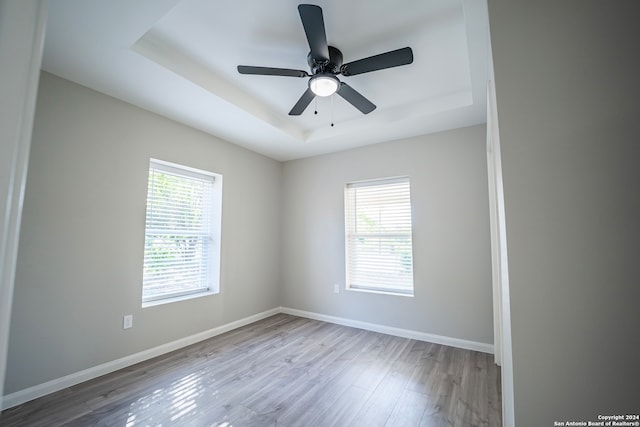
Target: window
<point>182,233</point>
<point>378,236</point>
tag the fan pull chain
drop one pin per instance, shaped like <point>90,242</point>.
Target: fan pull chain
<point>315,104</point>
<point>332,96</point>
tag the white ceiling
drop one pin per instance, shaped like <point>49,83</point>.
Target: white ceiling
<point>178,58</point>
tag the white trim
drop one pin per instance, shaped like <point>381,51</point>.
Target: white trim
<point>389,330</point>
<point>494,220</point>
<point>378,181</point>
<point>181,170</point>
<point>182,297</point>
<point>58,384</point>
<point>22,32</point>
<point>381,291</point>
<point>500,265</point>
<point>204,270</point>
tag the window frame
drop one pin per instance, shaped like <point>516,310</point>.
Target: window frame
<point>351,212</point>
<point>211,238</point>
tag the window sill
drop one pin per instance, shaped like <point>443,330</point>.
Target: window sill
<point>177,299</point>
<point>379,291</point>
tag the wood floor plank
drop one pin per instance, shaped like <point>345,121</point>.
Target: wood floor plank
<point>409,409</point>
<point>285,371</point>
<point>343,411</point>
<point>384,398</point>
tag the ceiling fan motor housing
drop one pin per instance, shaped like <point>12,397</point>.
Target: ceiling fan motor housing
<point>319,65</point>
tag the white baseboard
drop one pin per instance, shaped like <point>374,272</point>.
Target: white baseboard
<point>27,394</point>
<point>404,333</point>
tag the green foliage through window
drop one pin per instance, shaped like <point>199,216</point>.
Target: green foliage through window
<point>177,232</point>
<point>379,236</point>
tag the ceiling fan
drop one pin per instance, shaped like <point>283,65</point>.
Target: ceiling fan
<point>326,64</point>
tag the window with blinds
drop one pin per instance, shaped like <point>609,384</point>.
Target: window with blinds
<point>181,237</point>
<point>378,236</point>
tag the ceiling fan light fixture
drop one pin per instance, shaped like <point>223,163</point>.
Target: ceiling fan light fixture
<point>324,84</point>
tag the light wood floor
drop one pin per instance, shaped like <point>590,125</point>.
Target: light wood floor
<point>285,371</point>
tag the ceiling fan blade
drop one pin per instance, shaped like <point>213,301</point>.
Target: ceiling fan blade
<point>390,59</point>
<point>302,103</point>
<point>313,23</point>
<point>355,98</point>
<point>267,71</point>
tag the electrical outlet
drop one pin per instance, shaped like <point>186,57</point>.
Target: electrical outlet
<point>336,288</point>
<point>127,321</point>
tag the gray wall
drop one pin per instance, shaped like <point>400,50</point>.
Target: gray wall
<point>80,257</point>
<point>567,84</point>
<point>452,265</point>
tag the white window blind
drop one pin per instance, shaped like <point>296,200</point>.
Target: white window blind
<point>378,236</point>
<point>178,232</point>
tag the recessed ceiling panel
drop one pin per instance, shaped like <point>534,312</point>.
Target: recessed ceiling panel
<point>177,57</point>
